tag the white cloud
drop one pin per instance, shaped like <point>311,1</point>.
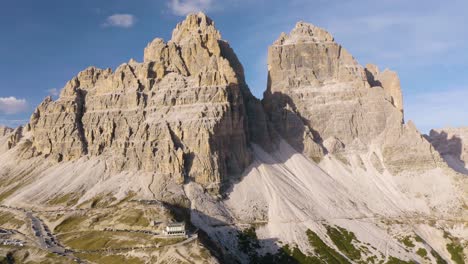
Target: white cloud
<point>120,20</point>
<point>11,105</point>
<point>53,92</point>
<point>184,7</point>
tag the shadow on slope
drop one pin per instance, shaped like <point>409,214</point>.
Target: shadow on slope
<point>227,242</point>
<point>283,115</point>
<point>450,148</point>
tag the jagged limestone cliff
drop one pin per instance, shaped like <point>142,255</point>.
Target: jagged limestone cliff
<point>164,131</point>
<point>181,113</point>
<point>322,101</point>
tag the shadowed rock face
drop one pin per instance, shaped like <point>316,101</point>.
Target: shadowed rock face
<point>389,81</point>
<point>452,144</point>
<point>322,101</point>
<point>181,113</point>
<point>317,89</point>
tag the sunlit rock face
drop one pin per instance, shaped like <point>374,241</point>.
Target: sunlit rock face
<point>186,113</point>
<point>181,113</point>
<point>322,101</point>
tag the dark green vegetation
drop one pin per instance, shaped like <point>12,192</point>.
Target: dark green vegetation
<point>343,240</point>
<point>418,239</point>
<point>407,241</point>
<point>455,249</point>
<point>422,252</point>
<point>248,241</point>
<point>438,258</point>
<point>8,259</point>
<point>456,252</point>
<point>324,252</point>
<point>393,260</point>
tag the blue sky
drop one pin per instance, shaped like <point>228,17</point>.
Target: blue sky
<point>45,43</point>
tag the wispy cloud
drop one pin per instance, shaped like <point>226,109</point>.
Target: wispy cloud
<point>184,7</point>
<point>11,105</point>
<point>120,20</point>
<point>53,92</point>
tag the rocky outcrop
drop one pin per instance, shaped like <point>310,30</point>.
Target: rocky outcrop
<point>389,81</point>
<point>322,101</point>
<point>317,91</point>
<point>181,113</point>
<point>405,149</point>
<point>452,144</point>
<point>5,131</point>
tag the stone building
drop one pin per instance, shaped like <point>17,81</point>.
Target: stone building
<point>175,229</point>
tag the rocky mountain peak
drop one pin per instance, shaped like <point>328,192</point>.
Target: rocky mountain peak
<point>180,114</point>
<point>304,33</point>
<point>389,81</point>
<point>321,100</point>
<point>195,27</point>
<point>196,49</point>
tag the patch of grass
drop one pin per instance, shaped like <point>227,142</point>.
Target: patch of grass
<point>69,199</point>
<point>134,217</point>
<point>456,252</point>
<point>95,240</point>
<point>371,259</point>
<point>70,224</point>
<point>393,260</point>
<point>89,240</point>
<point>100,201</point>
<point>110,259</point>
<point>418,239</point>
<point>295,255</point>
<point>439,259</point>
<point>407,241</point>
<point>10,218</point>
<point>422,252</point>
<point>9,258</point>
<point>248,243</point>
<point>343,240</point>
<point>324,252</point>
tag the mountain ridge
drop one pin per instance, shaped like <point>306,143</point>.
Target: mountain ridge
<point>327,145</point>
